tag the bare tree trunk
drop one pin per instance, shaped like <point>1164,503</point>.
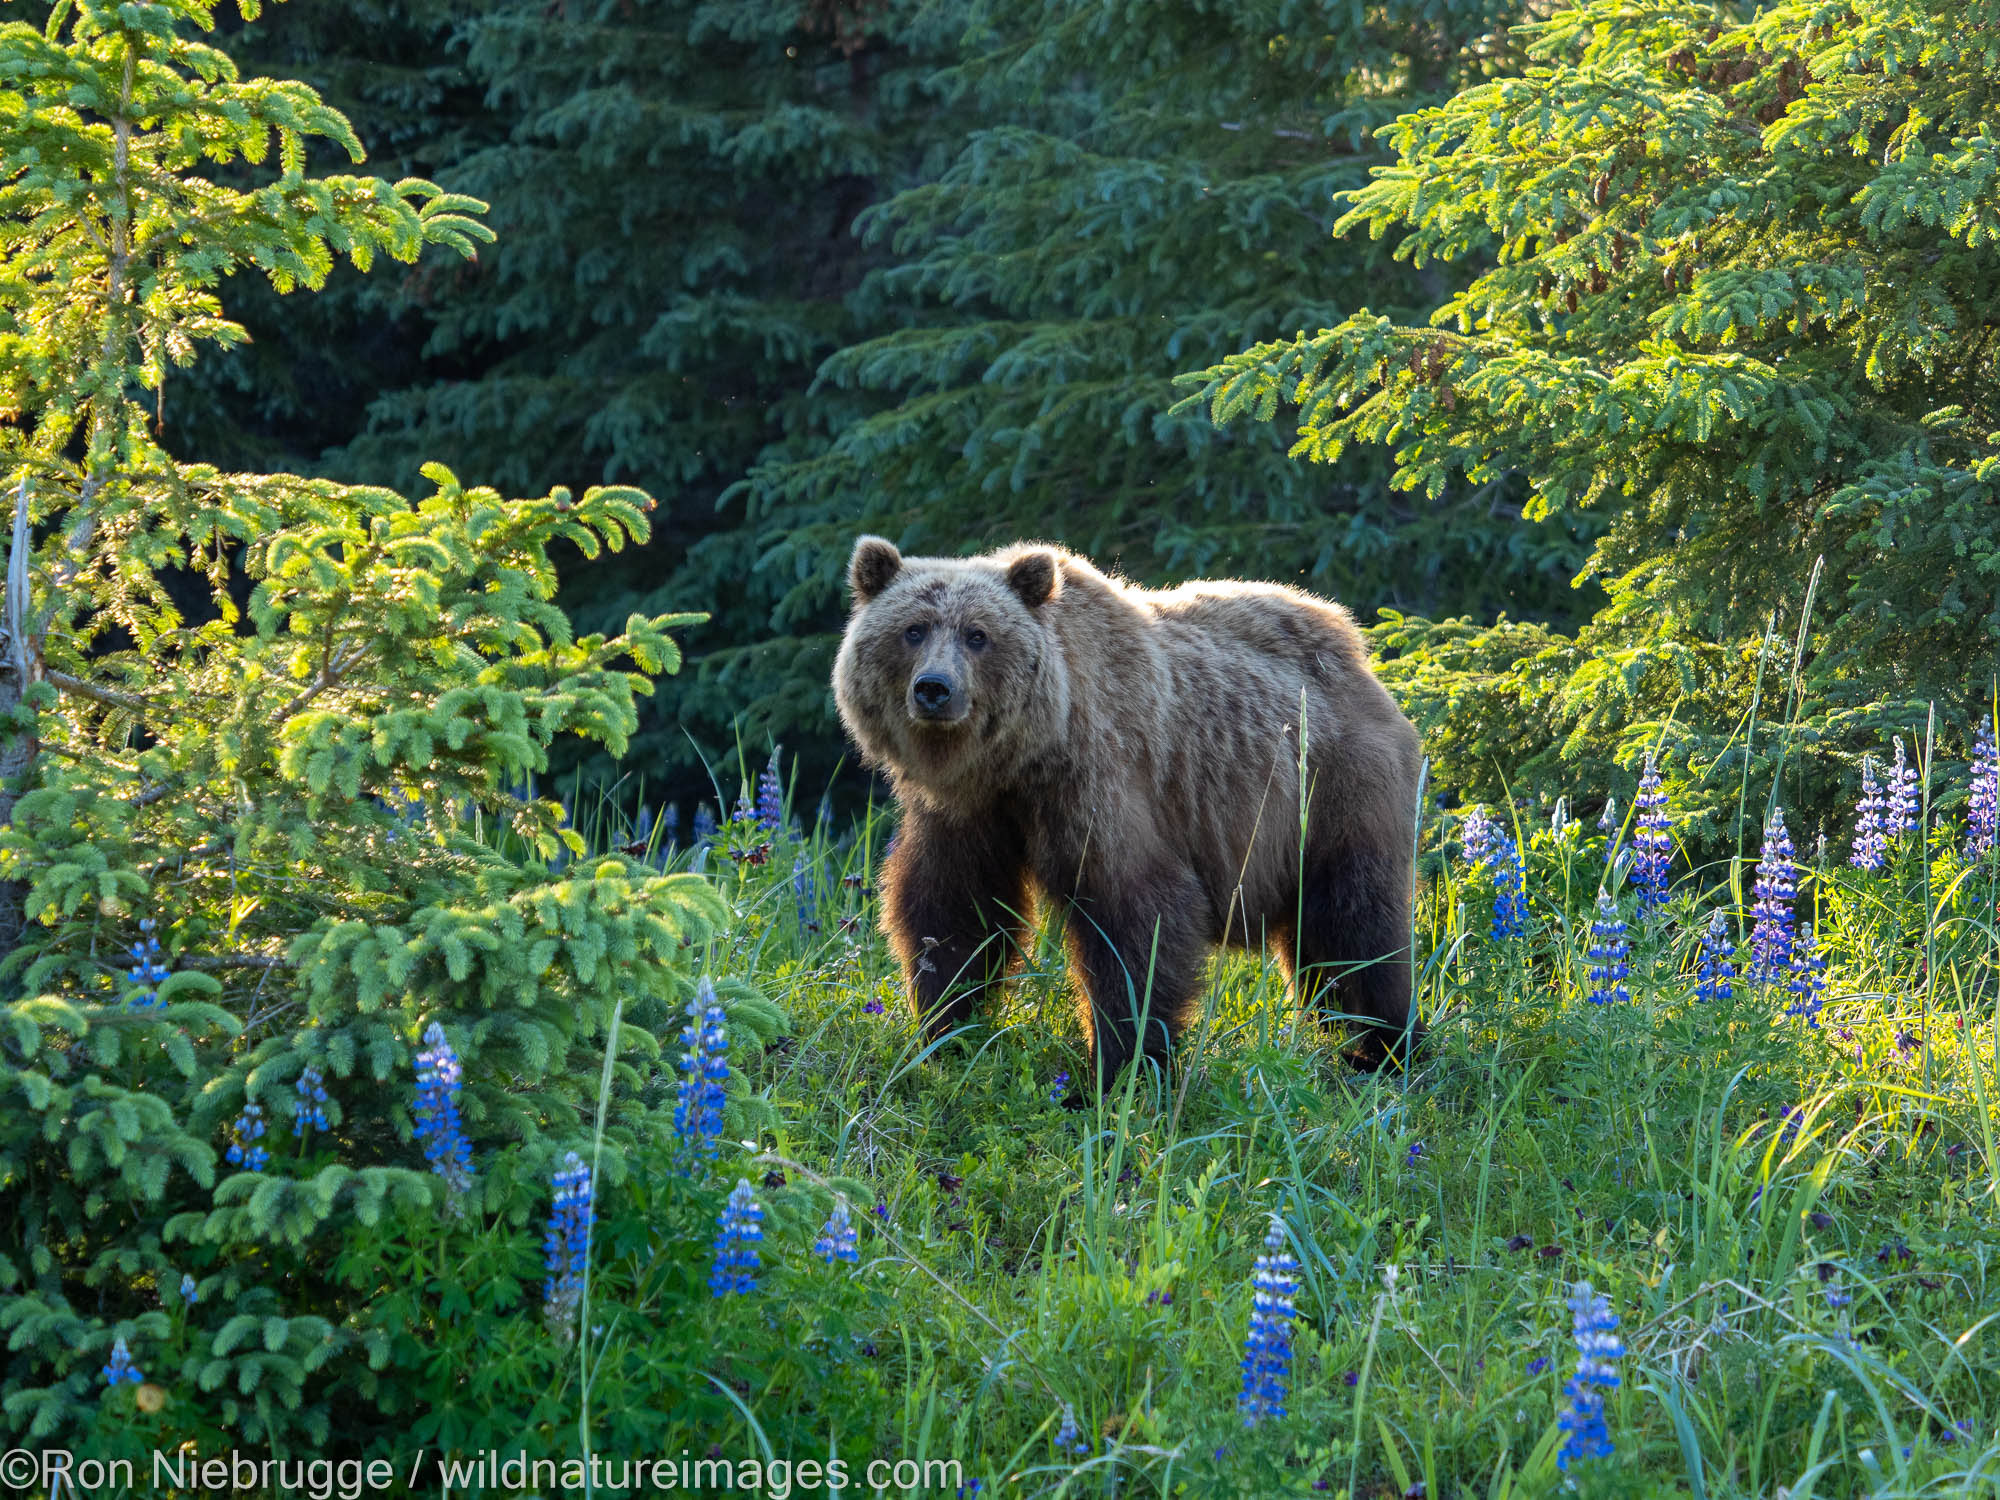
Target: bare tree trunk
<point>19,666</point>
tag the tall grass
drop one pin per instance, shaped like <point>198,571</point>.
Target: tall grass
<point>1796,1223</point>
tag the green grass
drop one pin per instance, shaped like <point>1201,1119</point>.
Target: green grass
<point>1026,1256</point>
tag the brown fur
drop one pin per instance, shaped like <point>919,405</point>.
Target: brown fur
<point>1131,757</point>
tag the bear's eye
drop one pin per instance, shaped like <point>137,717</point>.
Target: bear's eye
<point>915,634</point>
<point>976,639</point>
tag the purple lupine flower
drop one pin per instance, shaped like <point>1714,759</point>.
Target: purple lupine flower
<point>1059,1087</point>
<point>1597,1347</point>
<point>121,1366</point>
<point>1805,981</point>
<point>1476,837</point>
<point>1652,841</point>
<point>1510,889</point>
<point>566,1247</point>
<point>1267,1351</point>
<point>770,807</point>
<point>838,1238</point>
<point>1982,817</point>
<point>670,825</point>
<point>1610,953</point>
<point>1714,971</point>
<point>704,823</point>
<point>438,1124</point>
<point>738,1231</point>
<point>704,1078</point>
<point>309,1109</point>
<point>245,1132</point>
<point>147,971</point>
<point>1905,794</point>
<point>1067,1438</point>
<point>1416,1153</point>
<point>1776,889</point>
<point>1871,837</point>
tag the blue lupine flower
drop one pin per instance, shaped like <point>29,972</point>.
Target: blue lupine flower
<point>1805,981</point>
<point>1597,1346</point>
<point>1776,889</point>
<point>1982,818</point>
<point>838,1238</point>
<point>1059,1087</point>
<point>1476,835</point>
<point>438,1126</point>
<point>704,1078</point>
<point>1714,971</point>
<point>147,970</point>
<point>245,1132</point>
<point>1905,794</point>
<point>770,808</point>
<point>1871,836</point>
<point>738,1232</point>
<point>309,1109</point>
<point>566,1247</point>
<point>1267,1351</point>
<point>1067,1438</point>
<point>874,1008</point>
<point>121,1366</point>
<point>642,827</point>
<point>1415,1155</point>
<point>1538,1364</point>
<point>1652,841</point>
<point>189,1292</point>
<point>670,825</point>
<point>704,823</point>
<point>1510,889</point>
<point>1611,954</point>
<point>806,894</point>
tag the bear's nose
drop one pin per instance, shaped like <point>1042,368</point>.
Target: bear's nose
<point>931,692</point>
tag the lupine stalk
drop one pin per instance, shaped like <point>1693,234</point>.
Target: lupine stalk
<point>147,971</point>
<point>704,823</point>
<point>439,1128</point>
<point>1714,971</point>
<point>1776,889</point>
<point>738,1232</point>
<point>309,1109</point>
<point>1610,953</point>
<point>1510,889</point>
<point>1805,982</point>
<point>1871,835</point>
<point>770,808</point>
<point>1476,835</point>
<point>838,1238</point>
<point>1905,793</point>
<point>1267,1351</point>
<point>566,1247</point>
<point>704,1078</point>
<point>1652,840</point>
<point>121,1367</point>
<point>1982,817</point>
<point>245,1133</point>
<point>1597,1347</point>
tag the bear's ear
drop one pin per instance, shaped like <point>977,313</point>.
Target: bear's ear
<point>1033,576</point>
<point>873,567</point>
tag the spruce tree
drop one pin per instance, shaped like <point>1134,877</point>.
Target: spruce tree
<point>1146,186</point>
<point>1737,290</point>
<point>270,851</point>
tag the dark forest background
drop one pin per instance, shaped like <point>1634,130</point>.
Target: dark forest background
<point>928,269</point>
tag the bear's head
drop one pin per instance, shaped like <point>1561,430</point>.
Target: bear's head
<point>951,675</point>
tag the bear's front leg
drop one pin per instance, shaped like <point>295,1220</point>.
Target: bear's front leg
<point>1136,948</point>
<point>954,906</point>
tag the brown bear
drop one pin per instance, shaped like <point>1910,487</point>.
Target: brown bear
<point>1131,759</point>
